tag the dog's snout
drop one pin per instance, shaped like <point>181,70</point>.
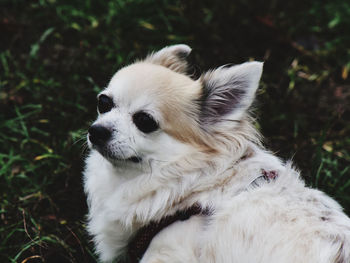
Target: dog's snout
<point>99,134</point>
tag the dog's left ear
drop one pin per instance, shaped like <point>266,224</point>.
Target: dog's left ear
<point>229,91</point>
<point>172,57</point>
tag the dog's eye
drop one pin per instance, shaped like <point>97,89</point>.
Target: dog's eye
<point>144,122</point>
<point>104,104</point>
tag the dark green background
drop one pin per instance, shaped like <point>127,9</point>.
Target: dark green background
<point>56,55</point>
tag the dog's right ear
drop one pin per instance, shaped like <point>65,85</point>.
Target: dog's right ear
<point>229,91</point>
<point>172,57</point>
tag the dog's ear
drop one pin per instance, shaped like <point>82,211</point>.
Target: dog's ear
<point>172,57</point>
<point>229,91</point>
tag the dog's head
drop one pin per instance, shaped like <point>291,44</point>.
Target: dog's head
<point>152,111</point>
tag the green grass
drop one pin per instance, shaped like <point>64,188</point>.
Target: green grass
<point>55,55</point>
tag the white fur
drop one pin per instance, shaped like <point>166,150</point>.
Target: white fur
<point>280,221</point>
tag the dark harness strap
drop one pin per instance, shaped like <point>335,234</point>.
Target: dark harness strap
<point>140,242</point>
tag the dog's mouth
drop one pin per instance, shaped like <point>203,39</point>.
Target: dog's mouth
<point>134,159</point>
<point>112,158</point>
<point>116,160</point>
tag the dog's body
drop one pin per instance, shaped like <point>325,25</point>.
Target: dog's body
<point>164,142</point>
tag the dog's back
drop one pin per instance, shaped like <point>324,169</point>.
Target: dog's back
<point>271,221</point>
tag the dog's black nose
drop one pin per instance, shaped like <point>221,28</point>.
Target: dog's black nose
<point>99,134</point>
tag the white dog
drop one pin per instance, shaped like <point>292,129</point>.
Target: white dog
<point>177,173</point>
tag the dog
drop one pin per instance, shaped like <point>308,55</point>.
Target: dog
<point>177,173</point>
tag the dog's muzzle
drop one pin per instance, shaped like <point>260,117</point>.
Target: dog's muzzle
<point>99,136</point>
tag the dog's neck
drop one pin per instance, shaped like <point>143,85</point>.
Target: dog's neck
<point>179,184</point>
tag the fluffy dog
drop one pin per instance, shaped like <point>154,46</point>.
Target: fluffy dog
<point>182,156</point>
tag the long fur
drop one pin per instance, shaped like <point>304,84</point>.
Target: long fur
<point>206,151</point>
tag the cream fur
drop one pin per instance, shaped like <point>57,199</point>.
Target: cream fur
<point>196,159</point>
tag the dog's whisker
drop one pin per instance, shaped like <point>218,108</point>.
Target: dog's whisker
<point>82,137</point>
<point>161,161</point>
<point>84,148</point>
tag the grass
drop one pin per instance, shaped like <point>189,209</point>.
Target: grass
<point>58,54</point>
